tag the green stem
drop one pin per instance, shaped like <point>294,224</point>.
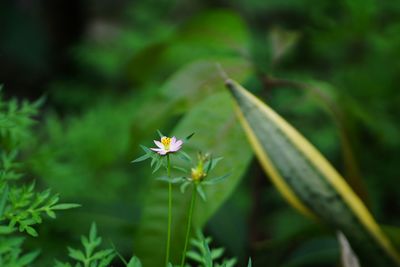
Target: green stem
<point>189,224</point>
<point>169,212</point>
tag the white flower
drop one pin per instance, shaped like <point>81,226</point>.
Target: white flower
<point>167,145</point>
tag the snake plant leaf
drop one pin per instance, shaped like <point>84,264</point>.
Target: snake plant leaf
<point>308,181</point>
<point>347,254</point>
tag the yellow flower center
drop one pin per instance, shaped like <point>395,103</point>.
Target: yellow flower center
<point>198,174</point>
<point>166,141</point>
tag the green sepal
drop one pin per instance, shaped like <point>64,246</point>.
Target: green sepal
<point>215,180</point>
<point>174,180</point>
<point>184,156</point>
<point>187,138</point>
<point>184,185</point>
<point>201,193</point>
<point>212,163</point>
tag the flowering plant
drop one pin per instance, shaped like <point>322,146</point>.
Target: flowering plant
<point>197,176</point>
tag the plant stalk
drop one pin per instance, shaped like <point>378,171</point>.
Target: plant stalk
<point>169,212</point>
<point>189,224</point>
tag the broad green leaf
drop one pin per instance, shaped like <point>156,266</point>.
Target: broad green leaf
<point>217,132</point>
<point>194,82</point>
<point>308,181</point>
<point>327,97</point>
<point>199,38</point>
<point>203,34</point>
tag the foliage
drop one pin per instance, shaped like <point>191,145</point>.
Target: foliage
<point>114,72</point>
<point>21,207</point>
<point>90,255</point>
<point>203,255</point>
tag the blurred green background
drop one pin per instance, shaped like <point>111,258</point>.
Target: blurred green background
<point>113,72</point>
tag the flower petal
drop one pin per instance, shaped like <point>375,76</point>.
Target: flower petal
<point>174,147</point>
<point>160,151</point>
<point>173,139</point>
<point>179,143</point>
<point>159,144</point>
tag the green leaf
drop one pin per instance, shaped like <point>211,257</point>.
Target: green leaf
<point>281,42</point>
<point>76,254</point>
<point>51,214</point>
<point>187,138</point>
<point>65,206</point>
<point>6,229</point>
<point>3,199</point>
<point>160,134</point>
<point>348,258</point>
<point>201,193</point>
<point>249,264</point>
<point>217,253</point>
<point>93,232</point>
<point>326,96</point>
<point>183,186</point>
<point>60,264</point>
<point>154,159</point>
<point>174,180</point>
<point>28,258</point>
<point>146,149</point>
<point>184,156</point>
<point>307,180</point>
<point>210,165</point>
<point>194,256</point>
<point>141,158</point>
<point>30,230</point>
<point>208,258</point>
<point>180,169</point>
<point>134,262</point>
<point>158,165</point>
<point>393,232</point>
<point>215,180</point>
<point>213,35</point>
<point>230,262</point>
<point>106,261</point>
<point>102,254</point>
